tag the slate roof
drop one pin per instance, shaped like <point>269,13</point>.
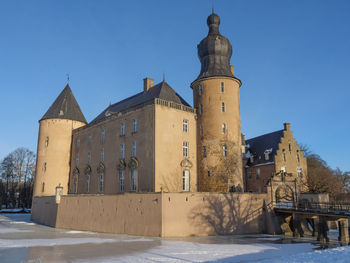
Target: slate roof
<point>162,91</point>
<point>65,107</point>
<point>258,145</point>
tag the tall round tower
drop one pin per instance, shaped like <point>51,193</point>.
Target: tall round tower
<point>216,98</point>
<point>54,143</point>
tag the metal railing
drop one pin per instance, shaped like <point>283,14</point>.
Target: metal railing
<point>318,207</point>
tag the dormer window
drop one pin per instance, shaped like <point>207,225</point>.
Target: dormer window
<point>267,154</point>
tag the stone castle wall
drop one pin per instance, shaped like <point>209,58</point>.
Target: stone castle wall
<point>156,214</point>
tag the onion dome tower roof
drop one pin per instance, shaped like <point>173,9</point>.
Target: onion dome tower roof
<point>65,107</point>
<point>214,51</point>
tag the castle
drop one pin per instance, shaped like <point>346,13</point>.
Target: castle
<point>155,142</point>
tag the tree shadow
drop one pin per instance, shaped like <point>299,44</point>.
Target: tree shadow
<point>229,213</point>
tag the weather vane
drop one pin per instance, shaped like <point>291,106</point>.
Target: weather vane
<point>67,78</point>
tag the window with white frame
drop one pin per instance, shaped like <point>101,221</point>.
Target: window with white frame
<point>89,158</point>
<point>134,129</point>
<point>89,139</point>
<point>87,183</point>
<point>122,129</point>
<point>222,87</point>
<point>122,151</point>
<point>224,150</point>
<point>223,128</point>
<point>185,149</point>
<point>75,184</point>
<point>257,173</point>
<point>102,155</point>
<point>283,169</point>
<point>186,180</point>
<point>103,134</point>
<point>100,186</point>
<point>77,160</point>
<point>121,180</point>
<point>134,149</point>
<point>300,172</point>
<point>133,180</point>
<point>185,125</point>
<point>223,106</point>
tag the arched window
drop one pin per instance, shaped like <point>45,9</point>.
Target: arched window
<point>134,180</point>
<point>186,180</point>
<point>75,184</point>
<point>87,183</point>
<point>121,180</point>
<point>100,188</point>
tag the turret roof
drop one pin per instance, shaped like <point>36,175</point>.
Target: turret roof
<point>65,107</point>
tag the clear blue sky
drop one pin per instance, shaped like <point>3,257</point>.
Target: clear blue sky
<point>293,58</point>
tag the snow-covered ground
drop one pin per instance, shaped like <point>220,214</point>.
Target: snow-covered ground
<point>24,241</point>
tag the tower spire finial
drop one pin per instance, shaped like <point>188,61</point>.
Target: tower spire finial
<point>212,6</point>
<point>67,78</point>
<point>163,76</point>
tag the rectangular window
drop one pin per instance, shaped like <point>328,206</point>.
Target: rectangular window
<point>134,125</point>
<point>121,180</point>
<point>47,141</point>
<point>223,106</point>
<point>257,173</point>
<point>201,130</point>
<point>133,180</point>
<point>186,180</point>
<point>122,129</point>
<point>185,125</point>
<point>222,87</point>
<point>122,151</point>
<point>87,183</point>
<point>89,158</point>
<point>89,139</point>
<point>201,109</point>
<point>78,142</point>
<point>102,155</point>
<point>223,128</point>
<point>300,172</point>
<point>134,149</point>
<point>224,150</point>
<point>100,188</point>
<point>185,149</point>
<point>103,133</point>
<point>204,151</point>
<point>77,160</point>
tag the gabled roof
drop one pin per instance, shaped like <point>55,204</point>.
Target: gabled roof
<point>258,145</point>
<point>162,91</point>
<point>65,107</point>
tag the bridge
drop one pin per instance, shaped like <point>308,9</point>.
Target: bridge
<point>298,216</point>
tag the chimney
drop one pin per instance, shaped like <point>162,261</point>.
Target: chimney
<point>286,126</point>
<point>232,71</point>
<point>147,84</point>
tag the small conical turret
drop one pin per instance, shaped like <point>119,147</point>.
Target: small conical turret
<point>65,107</point>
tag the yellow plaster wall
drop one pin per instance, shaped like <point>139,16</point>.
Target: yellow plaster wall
<point>211,119</point>
<point>56,155</point>
<point>168,148</point>
<point>112,153</point>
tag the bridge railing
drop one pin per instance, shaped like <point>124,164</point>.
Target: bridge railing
<point>314,206</point>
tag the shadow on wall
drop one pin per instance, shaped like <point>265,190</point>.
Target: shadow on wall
<point>227,214</point>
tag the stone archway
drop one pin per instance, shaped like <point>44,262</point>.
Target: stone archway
<point>284,193</point>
